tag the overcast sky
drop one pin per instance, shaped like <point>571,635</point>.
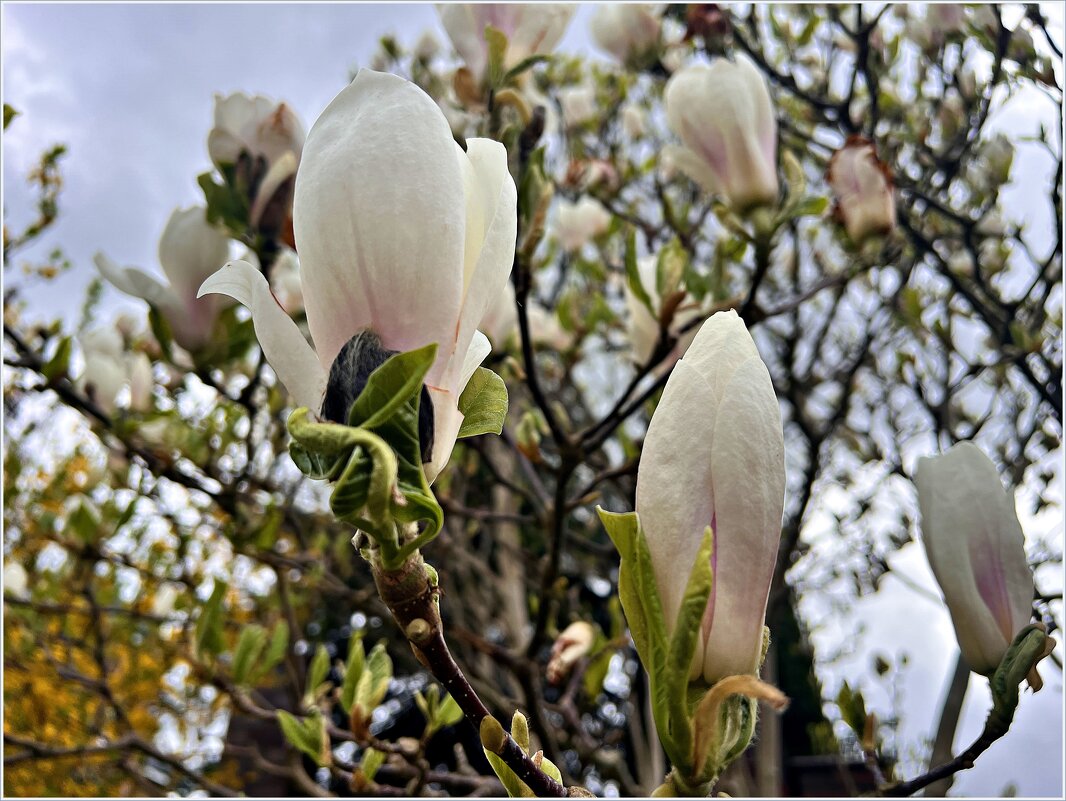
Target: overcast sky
<point>129,89</point>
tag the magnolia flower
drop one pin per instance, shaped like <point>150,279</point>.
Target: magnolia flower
<point>580,222</point>
<point>189,251</point>
<point>16,582</point>
<point>587,174</point>
<point>862,188</point>
<point>644,327</point>
<point>271,136</point>
<point>427,46</point>
<point>714,456</point>
<point>976,549</point>
<point>109,367</point>
<point>402,236</point>
<point>578,104</point>
<point>628,31</point>
<point>573,643</point>
<point>164,599</point>
<point>633,120</point>
<point>285,282</point>
<point>531,29</point>
<point>725,119</point>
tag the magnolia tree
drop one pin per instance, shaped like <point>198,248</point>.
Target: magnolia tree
<point>482,440</point>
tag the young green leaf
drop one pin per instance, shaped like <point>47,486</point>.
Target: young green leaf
<point>483,404</point>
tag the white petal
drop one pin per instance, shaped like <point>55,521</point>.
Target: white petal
<point>292,358</point>
<point>190,250</point>
<point>480,348</point>
<point>497,206</point>
<point>447,420</point>
<point>675,496</point>
<point>468,39</point>
<point>379,218</point>
<point>748,472</point>
<point>279,172</point>
<point>135,282</point>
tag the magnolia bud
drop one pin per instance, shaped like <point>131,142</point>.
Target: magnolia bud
<point>714,456</point>
<point>725,119</point>
<point>976,549</point>
<point>580,222</point>
<point>570,646</point>
<point>863,190</point>
<point>628,31</point>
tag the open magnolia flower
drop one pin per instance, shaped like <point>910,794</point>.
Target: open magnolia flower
<point>403,239</point>
<point>714,456</point>
<point>271,137</point>
<point>109,367</point>
<point>725,118</point>
<point>531,29</point>
<point>976,549</point>
<point>189,251</point>
<point>862,190</point>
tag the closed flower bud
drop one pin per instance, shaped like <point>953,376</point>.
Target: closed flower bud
<point>580,222</point>
<point>975,546</point>
<point>633,121</point>
<point>628,31</point>
<point>404,239</point>
<point>578,104</point>
<point>862,190</point>
<point>190,250</point>
<point>531,29</point>
<point>714,456</point>
<point>574,642</point>
<point>724,117</point>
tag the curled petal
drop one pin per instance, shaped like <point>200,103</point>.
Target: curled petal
<point>292,358</point>
<point>136,283</point>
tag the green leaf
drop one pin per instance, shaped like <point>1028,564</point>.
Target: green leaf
<point>84,523</point>
<point>161,331</point>
<point>483,404</point>
<point>636,286</point>
<point>372,760</point>
<point>810,206</point>
<point>275,652</point>
<point>527,63</point>
<point>683,643</point>
<point>512,784</point>
<point>56,367</point>
<point>1025,651</point>
<point>497,53</point>
<point>392,385</point>
<point>352,671</point>
<point>209,626</point>
<point>250,645</point>
<point>319,670</point>
<point>852,709</point>
<point>9,114</point>
<point>670,268</point>
<point>374,680</point>
<point>449,712</point>
<point>307,735</point>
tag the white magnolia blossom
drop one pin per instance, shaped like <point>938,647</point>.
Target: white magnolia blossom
<point>580,222</point>
<point>723,115</point>
<point>109,367</point>
<point>190,250</point>
<point>628,31</point>
<point>500,323</point>
<point>714,456</point>
<point>976,549</point>
<point>400,233</point>
<point>862,189</point>
<point>531,29</point>
<point>578,104</point>
<point>572,643</point>
<point>633,120</point>
<point>262,128</point>
<point>164,599</point>
<point>285,282</point>
<point>643,327</point>
<point>16,582</point>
